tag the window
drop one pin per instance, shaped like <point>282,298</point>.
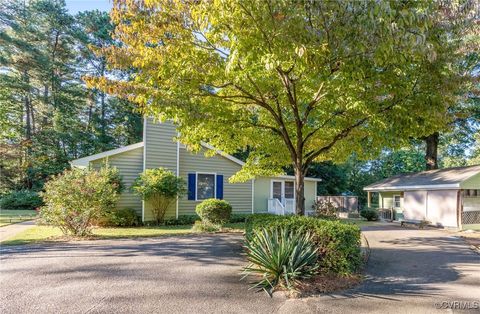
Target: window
<point>289,189</point>
<point>396,201</point>
<point>283,190</point>
<point>277,190</point>
<point>205,186</point>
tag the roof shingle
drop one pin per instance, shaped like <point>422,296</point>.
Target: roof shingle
<point>438,177</point>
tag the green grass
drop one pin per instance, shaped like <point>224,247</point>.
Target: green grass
<point>46,233</point>
<point>358,221</point>
<point>9,216</point>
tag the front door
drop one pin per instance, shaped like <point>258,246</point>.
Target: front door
<point>397,206</point>
<point>282,190</point>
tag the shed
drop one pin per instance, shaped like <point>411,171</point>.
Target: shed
<point>447,197</point>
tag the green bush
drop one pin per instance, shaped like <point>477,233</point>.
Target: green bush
<point>324,209</point>
<point>234,218</point>
<point>75,199</point>
<point>214,211</point>
<point>205,226</point>
<point>182,220</point>
<point>159,187</point>
<point>369,214</point>
<point>124,217</point>
<point>281,256</point>
<point>338,243</point>
<point>21,200</point>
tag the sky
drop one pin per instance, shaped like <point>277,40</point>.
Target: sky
<point>75,6</point>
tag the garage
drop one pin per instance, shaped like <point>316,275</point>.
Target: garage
<point>447,197</point>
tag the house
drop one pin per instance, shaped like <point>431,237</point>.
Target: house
<point>444,197</point>
<point>206,177</point>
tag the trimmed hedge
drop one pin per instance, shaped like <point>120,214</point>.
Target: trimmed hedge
<point>214,211</point>
<point>369,214</point>
<point>182,220</point>
<point>338,243</point>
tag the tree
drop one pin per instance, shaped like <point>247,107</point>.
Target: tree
<point>293,82</point>
<point>74,199</point>
<point>47,114</point>
<point>161,188</point>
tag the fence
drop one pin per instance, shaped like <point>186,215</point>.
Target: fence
<point>343,203</point>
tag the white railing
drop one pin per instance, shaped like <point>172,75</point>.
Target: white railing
<point>284,207</point>
<point>275,207</point>
<point>289,204</point>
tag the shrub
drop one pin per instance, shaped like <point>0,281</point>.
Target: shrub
<point>205,226</point>
<point>324,209</point>
<point>369,214</point>
<point>234,218</point>
<point>281,256</point>
<point>214,211</point>
<point>124,217</point>
<point>159,187</point>
<point>338,243</point>
<point>182,220</point>
<point>74,199</point>
<point>21,200</point>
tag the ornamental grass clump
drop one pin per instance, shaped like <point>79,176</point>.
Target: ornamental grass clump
<point>280,257</point>
<point>77,197</point>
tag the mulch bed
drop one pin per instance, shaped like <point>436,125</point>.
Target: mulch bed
<point>327,284</point>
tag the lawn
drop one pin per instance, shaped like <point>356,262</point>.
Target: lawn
<point>47,233</point>
<point>8,216</point>
<point>359,222</point>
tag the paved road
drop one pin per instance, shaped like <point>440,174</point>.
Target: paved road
<point>409,270</point>
<point>9,231</point>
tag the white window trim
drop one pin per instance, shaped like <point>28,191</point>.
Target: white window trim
<point>283,188</point>
<point>393,201</point>
<point>214,184</point>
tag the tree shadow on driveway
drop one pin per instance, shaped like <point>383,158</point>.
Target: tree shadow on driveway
<point>412,262</point>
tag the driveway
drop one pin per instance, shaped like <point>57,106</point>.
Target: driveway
<point>409,271</point>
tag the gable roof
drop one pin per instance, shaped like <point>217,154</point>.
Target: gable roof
<point>84,161</point>
<point>448,178</point>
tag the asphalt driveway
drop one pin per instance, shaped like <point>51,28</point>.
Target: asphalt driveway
<point>409,271</point>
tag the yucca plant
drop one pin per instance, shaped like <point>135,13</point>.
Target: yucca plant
<point>281,257</point>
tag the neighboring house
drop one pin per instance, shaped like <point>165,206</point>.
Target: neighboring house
<point>207,177</point>
<point>445,197</point>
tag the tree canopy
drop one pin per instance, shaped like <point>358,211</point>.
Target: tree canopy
<point>292,82</point>
<point>47,114</point>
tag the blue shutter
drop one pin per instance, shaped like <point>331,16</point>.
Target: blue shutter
<point>219,187</point>
<point>192,186</point>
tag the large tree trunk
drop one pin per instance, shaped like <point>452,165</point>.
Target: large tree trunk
<point>299,191</point>
<point>431,151</point>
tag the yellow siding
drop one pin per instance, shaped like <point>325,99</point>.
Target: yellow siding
<point>161,151</point>
<point>239,195</point>
<point>263,190</point>
<point>130,165</point>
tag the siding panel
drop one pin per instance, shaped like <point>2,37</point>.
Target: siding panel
<point>130,165</point>
<point>239,195</point>
<point>160,151</point>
